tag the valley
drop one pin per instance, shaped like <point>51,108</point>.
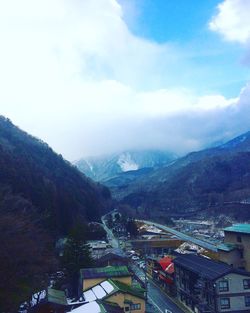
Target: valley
<point>210,182</point>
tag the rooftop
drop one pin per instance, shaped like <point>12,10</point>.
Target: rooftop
<point>136,291</point>
<point>227,247</point>
<point>105,272</point>
<point>165,262</point>
<point>239,228</point>
<point>109,287</point>
<point>98,307</point>
<point>112,255</point>
<point>203,266</point>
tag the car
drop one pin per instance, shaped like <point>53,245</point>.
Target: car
<point>135,258</point>
<point>142,265</point>
<point>167,311</point>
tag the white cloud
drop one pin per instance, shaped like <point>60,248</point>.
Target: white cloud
<point>232,20</point>
<point>73,74</point>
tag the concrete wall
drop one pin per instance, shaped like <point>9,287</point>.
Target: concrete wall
<point>236,293</point>
<point>231,237</point>
<point>88,283</point>
<point>231,258</point>
<point>120,298</point>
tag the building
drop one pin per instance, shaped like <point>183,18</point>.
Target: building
<point>207,286</point>
<point>90,277</point>
<point>97,307</point>
<point>235,250</point>
<point>162,271</point>
<point>98,248</point>
<point>108,296</point>
<point>166,275</point>
<point>113,258</point>
<point>155,245</point>
<point>152,267</point>
<point>130,299</point>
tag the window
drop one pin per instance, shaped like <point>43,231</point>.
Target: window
<point>247,300</point>
<point>127,308</point>
<point>136,306</point>
<point>246,283</point>
<point>225,303</point>
<point>238,238</point>
<point>223,285</point>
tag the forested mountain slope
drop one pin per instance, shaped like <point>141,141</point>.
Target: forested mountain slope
<point>211,181</point>
<point>56,190</point>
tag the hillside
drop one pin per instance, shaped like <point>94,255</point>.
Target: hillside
<point>42,197</point>
<point>114,166</point>
<point>212,181</point>
<point>45,182</point>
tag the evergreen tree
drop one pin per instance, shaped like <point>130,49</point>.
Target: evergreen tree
<point>77,253</point>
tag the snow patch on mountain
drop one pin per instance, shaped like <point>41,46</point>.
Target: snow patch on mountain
<point>89,165</point>
<point>126,163</point>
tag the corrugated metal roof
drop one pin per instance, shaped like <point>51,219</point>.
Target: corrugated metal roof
<point>239,228</point>
<point>57,296</point>
<point>106,272</point>
<point>109,287</point>
<point>136,291</point>
<point>203,266</point>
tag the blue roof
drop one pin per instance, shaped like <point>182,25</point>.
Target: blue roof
<point>203,266</point>
<point>239,228</point>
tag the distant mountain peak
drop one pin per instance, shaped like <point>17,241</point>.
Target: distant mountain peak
<point>126,162</point>
<point>107,167</point>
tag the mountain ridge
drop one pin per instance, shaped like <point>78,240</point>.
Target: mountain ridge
<point>206,180</point>
<point>108,167</point>
<point>55,188</point>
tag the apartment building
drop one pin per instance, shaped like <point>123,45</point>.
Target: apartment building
<point>235,250</point>
<point>207,286</point>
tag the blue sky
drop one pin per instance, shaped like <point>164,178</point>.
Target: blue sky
<point>185,23</point>
<point>95,77</point>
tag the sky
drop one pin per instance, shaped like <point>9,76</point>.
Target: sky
<point>93,77</point>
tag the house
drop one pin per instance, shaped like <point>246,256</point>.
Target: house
<point>235,250</point>
<point>98,307</point>
<point>130,299</point>
<point>207,286</point>
<point>166,275</point>
<point>113,258</point>
<point>108,296</point>
<point>92,276</point>
<point>98,248</point>
<point>155,245</point>
<point>162,270</point>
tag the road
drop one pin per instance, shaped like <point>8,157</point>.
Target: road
<point>112,239</point>
<point>201,243</point>
<point>157,299</point>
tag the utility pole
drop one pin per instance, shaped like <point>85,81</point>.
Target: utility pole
<point>145,273</point>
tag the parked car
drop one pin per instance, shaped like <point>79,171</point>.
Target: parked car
<point>135,258</point>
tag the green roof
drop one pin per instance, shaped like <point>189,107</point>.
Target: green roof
<point>57,296</point>
<point>105,272</point>
<point>239,228</point>
<point>227,247</point>
<point>109,307</point>
<point>135,291</point>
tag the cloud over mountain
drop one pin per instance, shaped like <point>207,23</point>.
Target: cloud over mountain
<point>74,74</point>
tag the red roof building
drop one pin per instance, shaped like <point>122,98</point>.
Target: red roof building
<point>166,274</point>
